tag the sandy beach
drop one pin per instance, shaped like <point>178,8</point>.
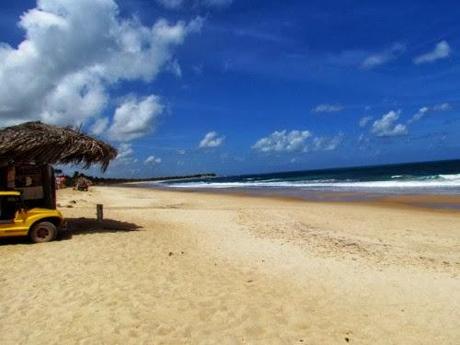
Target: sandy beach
<point>194,268</point>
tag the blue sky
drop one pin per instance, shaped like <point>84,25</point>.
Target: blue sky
<point>186,86</point>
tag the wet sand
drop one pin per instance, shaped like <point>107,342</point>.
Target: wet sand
<point>195,268</point>
<point>428,200</point>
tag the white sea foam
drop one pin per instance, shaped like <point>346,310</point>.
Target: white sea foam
<point>450,177</point>
<point>442,181</point>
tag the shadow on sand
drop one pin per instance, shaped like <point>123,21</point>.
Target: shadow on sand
<point>82,226</point>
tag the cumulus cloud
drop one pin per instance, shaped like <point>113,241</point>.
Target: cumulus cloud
<point>283,141</point>
<point>124,151</point>
<point>152,160</point>
<point>384,56</point>
<point>297,141</point>
<point>327,108</point>
<point>73,51</point>
<point>423,111</point>
<point>364,121</point>
<point>441,51</point>
<point>100,126</point>
<point>125,155</point>
<point>135,118</point>
<point>387,125</point>
<point>211,139</point>
<point>326,143</point>
<point>175,4</point>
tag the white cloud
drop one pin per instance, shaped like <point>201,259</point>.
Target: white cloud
<point>327,108</point>
<point>135,118</point>
<point>175,68</point>
<point>442,107</point>
<point>327,144</point>
<point>152,160</point>
<point>100,126</point>
<point>441,51</point>
<point>297,141</point>
<point>78,96</point>
<point>175,4</point>
<point>364,121</point>
<point>384,56</point>
<point>125,151</point>
<point>422,112</point>
<point>211,139</point>
<point>283,141</point>
<point>125,155</point>
<point>73,51</point>
<point>419,114</point>
<point>387,125</point>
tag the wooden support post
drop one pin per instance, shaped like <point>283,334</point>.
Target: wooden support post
<point>100,213</point>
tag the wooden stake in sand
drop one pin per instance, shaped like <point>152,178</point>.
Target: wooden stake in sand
<point>100,213</point>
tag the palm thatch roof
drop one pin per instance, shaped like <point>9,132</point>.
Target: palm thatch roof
<point>46,144</point>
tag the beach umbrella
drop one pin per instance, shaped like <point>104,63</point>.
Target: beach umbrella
<point>47,144</point>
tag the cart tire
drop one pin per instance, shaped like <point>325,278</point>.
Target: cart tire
<point>43,232</point>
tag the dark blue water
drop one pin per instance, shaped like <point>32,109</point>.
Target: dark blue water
<point>439,177</point>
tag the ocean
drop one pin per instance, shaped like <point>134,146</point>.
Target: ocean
<point>438,178</point>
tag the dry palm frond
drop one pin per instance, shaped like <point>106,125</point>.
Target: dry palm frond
<point>47,144</point>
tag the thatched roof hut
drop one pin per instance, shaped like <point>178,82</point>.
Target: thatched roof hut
<point>47,144</point>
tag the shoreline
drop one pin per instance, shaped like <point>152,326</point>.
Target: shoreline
<point>174,267</point>
<point>428,202</point>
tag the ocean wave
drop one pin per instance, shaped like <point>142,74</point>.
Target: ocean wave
<point>433,181</point>
<point>450,177</point>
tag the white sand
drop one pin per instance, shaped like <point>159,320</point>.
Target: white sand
<point>221,269</point>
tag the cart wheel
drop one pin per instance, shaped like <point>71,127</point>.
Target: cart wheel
<point>43,232</point>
